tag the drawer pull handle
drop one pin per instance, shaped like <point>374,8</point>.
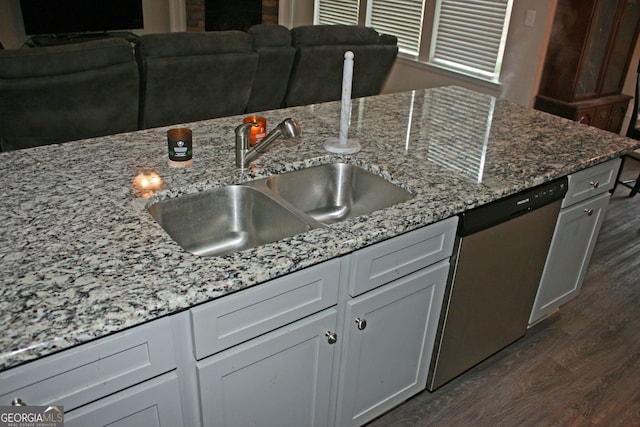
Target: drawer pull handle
<point>332,337</point>
<point>589,212</point>
<point>361,323</point>
<point>18,402</point>
<point>595,184</point>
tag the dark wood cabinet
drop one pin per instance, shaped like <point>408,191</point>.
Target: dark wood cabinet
<point>587,61</point>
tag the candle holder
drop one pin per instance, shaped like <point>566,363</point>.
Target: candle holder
<point>257,132</point>
<point>180,147</point>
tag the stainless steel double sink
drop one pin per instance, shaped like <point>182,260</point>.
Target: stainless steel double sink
<point>236,217</point>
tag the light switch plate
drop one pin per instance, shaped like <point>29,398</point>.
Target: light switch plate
<point>530,18</point>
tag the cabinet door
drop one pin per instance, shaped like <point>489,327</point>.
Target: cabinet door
<point>573,241</point>
<point>618,112</point>
<point>386,360</point>
<point>602,117</point>
<point>280,379</point>
<point>154,403</point>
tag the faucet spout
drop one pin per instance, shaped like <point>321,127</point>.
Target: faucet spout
<point>288,128</point>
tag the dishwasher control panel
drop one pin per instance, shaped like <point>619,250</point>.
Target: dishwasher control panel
<point>511,206</point>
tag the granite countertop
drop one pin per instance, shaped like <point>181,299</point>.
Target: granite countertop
<point>80,257</point>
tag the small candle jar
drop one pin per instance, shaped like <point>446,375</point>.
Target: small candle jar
<point>180,147</point>
<point>257,132</point>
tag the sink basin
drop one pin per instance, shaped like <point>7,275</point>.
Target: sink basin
<point>225,220</point>
<point>334,192</point>
<point>237,217</point>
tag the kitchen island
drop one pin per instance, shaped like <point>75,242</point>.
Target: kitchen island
<point>81,258</point>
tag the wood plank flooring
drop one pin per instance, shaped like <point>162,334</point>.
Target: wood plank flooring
<point>580,367</point>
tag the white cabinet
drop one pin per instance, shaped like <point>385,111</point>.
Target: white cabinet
<point>390,326</point>
<point>388,341</point>
<point>266,354</point>
<point>280,379</point>
<point>154,403</point>
<point>574,238</point>
<point>84,378</point>
<point>231,320</point>
<point>289,353</point>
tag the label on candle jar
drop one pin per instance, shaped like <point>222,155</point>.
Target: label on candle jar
<point>179,144</point>
<point>257,132</point>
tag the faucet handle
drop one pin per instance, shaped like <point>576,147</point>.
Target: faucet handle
<point>244,128</point>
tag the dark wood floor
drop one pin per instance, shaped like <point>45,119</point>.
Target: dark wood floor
<point>580,367</point>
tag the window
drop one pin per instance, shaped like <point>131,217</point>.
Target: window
<point>468,36</point>
<point>471,35</point>
<point>336,12</point>
<point>402,18</point>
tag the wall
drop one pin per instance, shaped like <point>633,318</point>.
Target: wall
<point>156,20</point>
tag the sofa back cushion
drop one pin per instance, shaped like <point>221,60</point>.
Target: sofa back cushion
<point>275,58</point>
<point>63,93</point>
<point>194,76</point>
<point>316,74</point>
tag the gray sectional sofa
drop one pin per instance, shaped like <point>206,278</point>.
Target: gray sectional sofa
<point>64,93</point>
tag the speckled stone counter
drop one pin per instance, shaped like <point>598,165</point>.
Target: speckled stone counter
<point>80,256</point>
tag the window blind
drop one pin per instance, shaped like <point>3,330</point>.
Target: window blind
<point>336,12</point>
<point>401,18</point>
<point>470,35</point>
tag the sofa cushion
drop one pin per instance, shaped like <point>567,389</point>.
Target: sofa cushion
<point>194,76</point>
<point>63,93</point>
<point>275,57</point>
<point>322,35</point>
<point>316,75</point>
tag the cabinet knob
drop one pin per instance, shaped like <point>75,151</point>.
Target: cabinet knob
<point>589,212</point>
<point>595,184</point>
<point>361,323</point>
<point>18,402</point>
<point>332,337</point>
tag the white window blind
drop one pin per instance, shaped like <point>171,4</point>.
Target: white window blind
<point>336,12</point>
<point>470,35</point>
<point>401,18</point>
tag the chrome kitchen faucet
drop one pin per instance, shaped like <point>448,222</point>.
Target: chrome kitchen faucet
<point>288,128</point>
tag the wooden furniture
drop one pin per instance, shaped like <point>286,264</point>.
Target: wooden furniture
<point>587,61</point>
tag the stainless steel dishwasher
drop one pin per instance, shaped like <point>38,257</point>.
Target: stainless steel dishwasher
<point>498,259</point>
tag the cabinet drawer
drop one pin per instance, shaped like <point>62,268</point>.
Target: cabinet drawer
<point>239,317</point>
<point>83,374</point>
<point>591,182</point>
<point>381,263</point>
